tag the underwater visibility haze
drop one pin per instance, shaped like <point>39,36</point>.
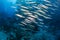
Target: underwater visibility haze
<point>29,19</point>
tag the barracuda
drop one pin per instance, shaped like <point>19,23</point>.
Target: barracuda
<point>31,20</point>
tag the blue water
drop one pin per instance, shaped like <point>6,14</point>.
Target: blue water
<point>5,7</point>
<point>13,27</point>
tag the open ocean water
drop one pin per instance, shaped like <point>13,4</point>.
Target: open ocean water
<point>29,19</point>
